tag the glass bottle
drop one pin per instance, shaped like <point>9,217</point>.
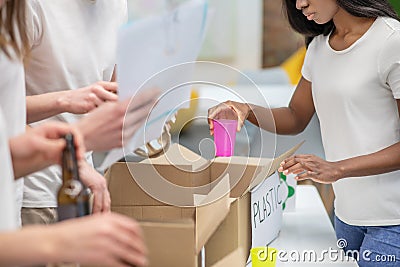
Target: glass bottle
<point>73,197</point>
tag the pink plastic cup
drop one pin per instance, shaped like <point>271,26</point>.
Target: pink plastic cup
<point>224,137</point>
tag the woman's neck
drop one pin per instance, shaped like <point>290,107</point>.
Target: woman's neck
<point>345,23</point>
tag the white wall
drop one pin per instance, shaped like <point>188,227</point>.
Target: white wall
<point>235,33</point>
<point>250,29</point>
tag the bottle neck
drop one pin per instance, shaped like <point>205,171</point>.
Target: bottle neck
<point>69,162</point>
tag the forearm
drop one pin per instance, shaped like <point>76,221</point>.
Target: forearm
<point>22,168</point>
<point>277,120</point>
<point>383,161</point>
<point>86,129</point>
<point>23,164</point>
<point>32,245</point>
<point>43,106</point>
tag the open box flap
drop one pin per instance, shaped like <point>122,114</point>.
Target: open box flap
<point>148,178</point>
<point>211,212</point>
<point>246,172</point>
<point>180,155</point>
<point>249,161</point>
<point>123,188</point>
<point>273,166</point>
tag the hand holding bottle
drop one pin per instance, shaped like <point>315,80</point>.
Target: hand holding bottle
<point>98,185</point>
<point>73,196</point>
<point>41,147</point>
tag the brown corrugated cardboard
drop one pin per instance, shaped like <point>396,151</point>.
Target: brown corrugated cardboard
<point>170,244</point>
<point>131,181</point>
<point>234,259</point>
<point>180,155</point>
<point>182,229</point>
<point>235,231</point>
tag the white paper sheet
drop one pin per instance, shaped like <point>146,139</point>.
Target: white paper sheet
<point>153,52</point>
<point>266,212</point>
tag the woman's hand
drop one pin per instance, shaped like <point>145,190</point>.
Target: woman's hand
<point>83,100</point>
<point>311,167</point>
<point>97,184</point>
<point>41,147</point>
<point>104,239</point>
<point>229,110</point>
<point>107,239</point>
<point>76,101</point>
<point>109,125</point>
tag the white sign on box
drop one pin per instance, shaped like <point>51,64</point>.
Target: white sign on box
<point>146,49</point>
<point>266,211</point>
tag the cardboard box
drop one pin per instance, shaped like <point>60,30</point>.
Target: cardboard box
<point>236,230</point>
<point>180,199</point>
<point>234,259</point>
<point>233,233</point>
<point>174,235</point>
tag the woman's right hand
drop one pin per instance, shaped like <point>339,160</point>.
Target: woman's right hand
<point>42,146</point>
<point>109,125</point>
<point>106,239</point>
<point>229,110</point>
<point>86,99</point>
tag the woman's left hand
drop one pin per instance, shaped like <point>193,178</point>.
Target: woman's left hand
<point>98,185</point>
<point>311,167</point>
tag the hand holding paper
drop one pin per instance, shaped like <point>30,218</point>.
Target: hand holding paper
<point>152,53</point>
<point>110,124</point>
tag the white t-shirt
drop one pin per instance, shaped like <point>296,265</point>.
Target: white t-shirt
<point>12,102</point>
<point>73,45</point>
<point>7,198</point>
<point>354,93</point>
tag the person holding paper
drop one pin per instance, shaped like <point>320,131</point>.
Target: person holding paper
<point>351,80</point>
<point>108,239</point>
<point>72,45</point>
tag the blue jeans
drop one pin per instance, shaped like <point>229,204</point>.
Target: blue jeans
<point>376,245</point>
